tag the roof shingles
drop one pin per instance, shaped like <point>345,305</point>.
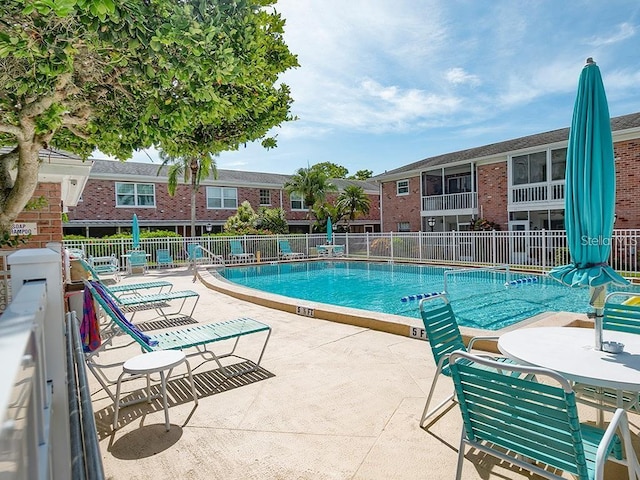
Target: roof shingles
<point>617,124</point>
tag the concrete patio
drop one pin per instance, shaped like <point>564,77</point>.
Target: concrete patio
<point>331,401</point>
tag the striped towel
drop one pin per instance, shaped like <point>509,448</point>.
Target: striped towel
<point>90,326</point>
<point>100,290</point>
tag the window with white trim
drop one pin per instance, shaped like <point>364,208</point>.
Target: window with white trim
<point>222,197</point>
<point>135,195</point>
<point>265,196</point>
<point>404,226</point>
<point>402,187</point>
<point>297,202</point>
<point>535,167</point>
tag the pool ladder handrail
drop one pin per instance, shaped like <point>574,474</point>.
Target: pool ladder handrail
<point>454,271</point>
<point>211,255</point>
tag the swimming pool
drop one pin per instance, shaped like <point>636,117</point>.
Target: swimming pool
<point>480,298</point>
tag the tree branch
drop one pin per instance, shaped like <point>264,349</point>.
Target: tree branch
<point>11,130</point>
<point>78,133</point>
<point>43,103</point>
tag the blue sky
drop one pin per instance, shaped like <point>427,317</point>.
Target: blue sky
<point>383,83</point>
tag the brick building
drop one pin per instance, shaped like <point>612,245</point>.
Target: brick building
<point>517,184</point>
<point>61,178</point>
<point>117,190</point>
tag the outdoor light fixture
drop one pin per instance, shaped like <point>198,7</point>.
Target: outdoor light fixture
<point>431,222</point>
<point>209,227</point>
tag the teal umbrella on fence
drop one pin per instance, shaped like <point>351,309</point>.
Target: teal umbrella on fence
<point>135,231</point>
<point>329,231</point>
<point>590,194</point>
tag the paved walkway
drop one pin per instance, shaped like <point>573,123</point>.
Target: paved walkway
<point>332,401</point>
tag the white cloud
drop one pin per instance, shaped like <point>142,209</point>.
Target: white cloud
<point>623,31</point>
<point>458,76</point>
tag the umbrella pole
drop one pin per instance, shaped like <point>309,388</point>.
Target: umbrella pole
<point>598,295</point>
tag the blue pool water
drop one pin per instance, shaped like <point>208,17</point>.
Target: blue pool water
<point>480,299</point>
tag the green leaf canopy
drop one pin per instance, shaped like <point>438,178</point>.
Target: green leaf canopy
<point>189,77</point>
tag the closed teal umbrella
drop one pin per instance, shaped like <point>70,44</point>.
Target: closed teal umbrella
<point>590,193</point>
<point>135,231</point>
<point>329,231</point>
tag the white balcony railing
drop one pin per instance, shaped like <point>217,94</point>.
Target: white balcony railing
<point>450,201</point>
<point>537,192</point>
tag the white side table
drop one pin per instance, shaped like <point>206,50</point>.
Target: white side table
<point>160,362</point>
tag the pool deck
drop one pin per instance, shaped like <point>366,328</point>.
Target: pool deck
<point>331,401</point>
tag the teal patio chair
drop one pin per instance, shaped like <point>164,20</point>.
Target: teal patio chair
<point>196,255</point>
<point>198,338</point>
<point>131,288</point>
<point>286,252</point>
<point>237,252</point>
<point>106,265</point>
<point>164,258</point>
<point>620,315</point>
<point>533,424</point>
<point>137,259</point>
<point>443,334</point>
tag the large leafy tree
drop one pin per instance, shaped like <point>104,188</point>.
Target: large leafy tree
<point>362,175</point>
<point>353,201</point>
<point>192,77</point>
<point>332,170</point>
<point>312,184</point>
<point>193,170</point>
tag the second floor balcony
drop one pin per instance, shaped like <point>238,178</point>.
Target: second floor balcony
<point>537,193</point>
<point>450,202</point>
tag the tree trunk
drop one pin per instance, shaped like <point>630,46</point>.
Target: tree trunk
<point>194,192</point>
<point>310,222</point>
<point>14,194</point>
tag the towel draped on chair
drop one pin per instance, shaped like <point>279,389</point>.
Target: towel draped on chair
<point>116,310</point>
<point>90,326</point>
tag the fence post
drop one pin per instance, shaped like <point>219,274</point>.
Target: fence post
<point>391,245</point>
<point>420,246</point>
<point>543,237</point>
<point>494,248</point>
<point>368,245</point>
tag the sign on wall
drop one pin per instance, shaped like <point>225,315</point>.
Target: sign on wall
<point>24,229</point>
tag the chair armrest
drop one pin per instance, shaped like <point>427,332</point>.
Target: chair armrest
<point>485,338</point>
<point>618,422</point>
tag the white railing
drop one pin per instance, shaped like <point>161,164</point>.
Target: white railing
<point>450,201</point>
<point>537,192</point>
<point>540,249</point>
<point>38,427</point>
<point>25,394</point>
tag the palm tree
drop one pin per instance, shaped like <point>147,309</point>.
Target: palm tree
<point>312,185</point>
<point>354,201</point>
<point>324,211</point>
<point>193,169</point>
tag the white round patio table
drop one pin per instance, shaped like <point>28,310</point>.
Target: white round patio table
<point>160,361</point>
<point>570,352</point>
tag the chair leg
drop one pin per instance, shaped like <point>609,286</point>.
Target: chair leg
<point>426,413</point>
<point>460,457</point>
